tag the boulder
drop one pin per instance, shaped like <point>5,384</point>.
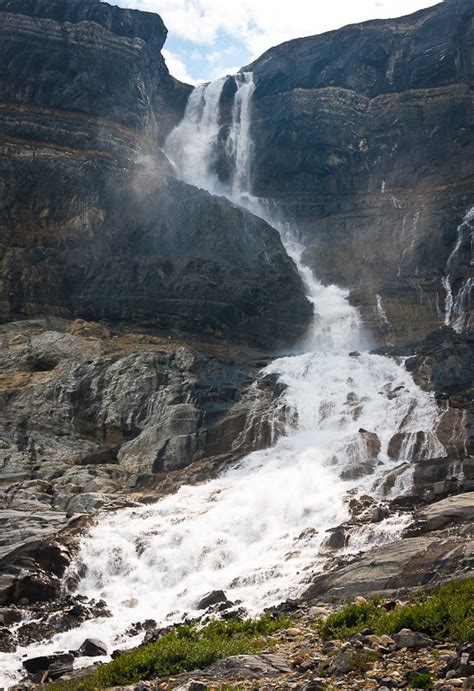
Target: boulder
<point>248,667</point>
<point>51,666</point>
<point>216,597</point>
<point>412,639</point>
<point>92,648</point>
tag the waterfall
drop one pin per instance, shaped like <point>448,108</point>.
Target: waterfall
<point>458,304</point>
<point>260,530</point>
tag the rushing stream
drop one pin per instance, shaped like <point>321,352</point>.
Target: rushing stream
<point>259,530</point>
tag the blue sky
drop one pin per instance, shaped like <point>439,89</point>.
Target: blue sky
<point>210,38</point>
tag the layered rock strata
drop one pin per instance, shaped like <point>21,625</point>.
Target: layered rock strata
<point>92,225</point>
<point>364,142</point>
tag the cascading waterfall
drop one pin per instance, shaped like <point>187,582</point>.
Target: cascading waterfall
<point>458,307</point>
<point>260,529</point>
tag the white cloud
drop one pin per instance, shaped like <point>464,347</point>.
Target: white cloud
<point>177,67</point>
<point>259,24</point>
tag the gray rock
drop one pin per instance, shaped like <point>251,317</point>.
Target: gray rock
<point>343,663</point>
<point>92,648</point>
<point>316,684</point>
<point>412,639</point>
<point>248,667</point>
<point>431,558</point>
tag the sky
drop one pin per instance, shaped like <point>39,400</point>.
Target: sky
<point>211,38</point>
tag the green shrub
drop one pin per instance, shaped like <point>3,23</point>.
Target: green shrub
<point>448,613</point>
<point>423,680</point>
<point>183,650</point>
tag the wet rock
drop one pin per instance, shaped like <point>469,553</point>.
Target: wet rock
<point>355,472</point>
<point>337,538</point>
<point>216,597</point>
<point>9,616</point>
<point>50,666</point>
<point>92,648</point>
<point>32,572</point>
<point>372,443</point>
<point>7,641</point>
<point>431,558</point>
<point>412,639</point>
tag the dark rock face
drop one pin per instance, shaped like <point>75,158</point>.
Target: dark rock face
<point>364,139</point>
<point>91,227</point>
<point>86,59</point>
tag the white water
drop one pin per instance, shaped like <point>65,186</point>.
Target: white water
<point>458,310</point>
<point>259,530</point>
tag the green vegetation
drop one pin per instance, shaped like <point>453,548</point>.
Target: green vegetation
<point>447,613</point>
<point>363,661</point>
<point>423,680</point>
<point>183,650</point>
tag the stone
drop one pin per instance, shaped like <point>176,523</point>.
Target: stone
<point>412,639</point>
<point>7,641</point>
<point>216,597</point>
<point>318,612</point>
<point>248,667</point>
<point>55,665</point>
<point>316,684</point>
<point>92,648</point>
<point>427,559</point>
<point>192,686</point>
<point>342,663</point>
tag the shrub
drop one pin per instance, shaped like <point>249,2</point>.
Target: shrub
<point>183,650</point>
<point>448,613</point>
<point>423,680</point>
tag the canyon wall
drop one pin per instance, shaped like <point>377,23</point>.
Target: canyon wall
<point>364,141</point>
<point>92,224</point>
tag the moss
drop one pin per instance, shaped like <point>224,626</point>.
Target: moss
<point>183,650</point>
<point>446,614</point>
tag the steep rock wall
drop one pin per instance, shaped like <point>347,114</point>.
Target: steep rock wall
<point>364,139</point>
<point>92,224</point>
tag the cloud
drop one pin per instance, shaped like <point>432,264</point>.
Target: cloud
<point>256,25</point>
<point>177,67</point>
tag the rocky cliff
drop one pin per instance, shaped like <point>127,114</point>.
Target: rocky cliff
<point>364,139</point>
<point>91,225</point>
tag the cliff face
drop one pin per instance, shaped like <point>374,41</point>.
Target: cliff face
<point>364,138</point>
<point>92,224</point>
